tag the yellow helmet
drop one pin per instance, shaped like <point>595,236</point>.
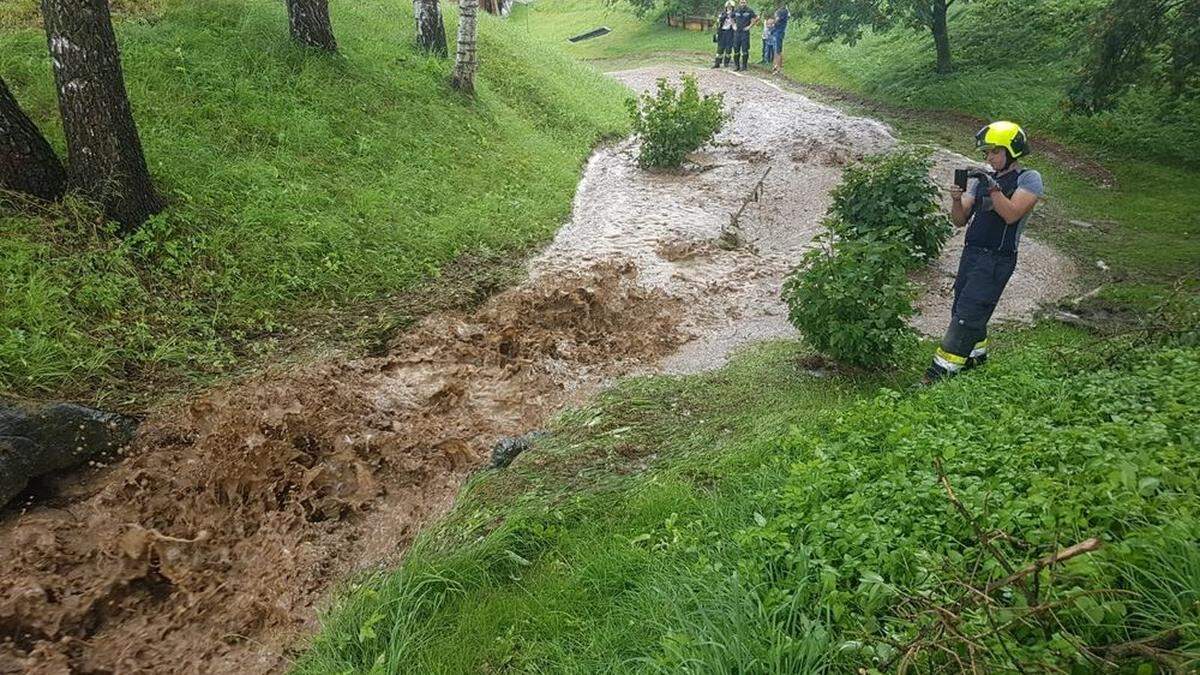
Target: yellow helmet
<point>1007,135</point>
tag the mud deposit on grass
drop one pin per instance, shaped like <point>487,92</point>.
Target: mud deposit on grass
<point>209,545</point>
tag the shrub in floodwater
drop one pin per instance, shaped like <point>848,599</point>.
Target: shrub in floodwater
<point>851,301</point>
<point>851,298</point>
<point>672,123</point>
<point>890,197</point>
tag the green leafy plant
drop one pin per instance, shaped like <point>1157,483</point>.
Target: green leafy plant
<point>672,123</point>
<point>851,298</point>
<point>890,197</point>
<point>851,301</point>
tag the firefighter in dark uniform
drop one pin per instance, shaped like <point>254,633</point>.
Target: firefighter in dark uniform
<point>743,18</point>
<point>724,35</point>
<point>995,207</point>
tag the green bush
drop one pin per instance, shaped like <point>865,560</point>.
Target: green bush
<point>890,197</point>
<point>851,302</point>
<point>673,123</point>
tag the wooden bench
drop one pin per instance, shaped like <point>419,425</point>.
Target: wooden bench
<point>691,22</point>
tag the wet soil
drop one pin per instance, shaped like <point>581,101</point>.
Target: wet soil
<point>209,546</point>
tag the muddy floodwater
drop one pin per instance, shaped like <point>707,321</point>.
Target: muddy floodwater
<point>210,545</point>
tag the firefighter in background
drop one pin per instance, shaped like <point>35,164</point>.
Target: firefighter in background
<point>724,35</point>
<point>995,208</point>
<point>743,18</point>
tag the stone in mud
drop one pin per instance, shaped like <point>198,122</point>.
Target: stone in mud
<point>34,442</point>
<point>506,449</point>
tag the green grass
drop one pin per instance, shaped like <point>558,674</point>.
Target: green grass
<point>302,188</point>
<point>759,519</point>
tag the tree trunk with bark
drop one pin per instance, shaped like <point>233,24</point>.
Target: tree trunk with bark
<point>431,32</point>
<point>104,152</point>
<point>464,61</point>
<point>941,37</point>
<point>27,162</point>
<point>309,21</point>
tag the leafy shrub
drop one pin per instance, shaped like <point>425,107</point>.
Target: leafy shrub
<point>851,303</point>
<point>851,300</point>
<point>673,123</point>
<point>890,197</point>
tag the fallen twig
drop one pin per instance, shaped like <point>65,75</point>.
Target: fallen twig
<point>1085,546</point>
<point>731,232</point>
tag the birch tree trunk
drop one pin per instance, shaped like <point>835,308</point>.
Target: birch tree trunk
<point>27,162</point>
<point>431,32</point>
<point>104,153</point>
<point>464,61</point>
<point>309,21</point>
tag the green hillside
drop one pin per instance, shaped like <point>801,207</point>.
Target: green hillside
<point>305,190</point>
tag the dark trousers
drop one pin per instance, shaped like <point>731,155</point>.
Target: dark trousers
<point>741,44</point>
<point>724,44</point>
<point>982,276</point>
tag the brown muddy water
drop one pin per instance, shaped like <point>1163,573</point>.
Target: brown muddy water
<point>210,545</point>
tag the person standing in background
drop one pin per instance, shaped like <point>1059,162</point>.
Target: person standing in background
<point>768,42</point>
<point>724,35</point>
<point>781,21</point>
<point>743,18</point>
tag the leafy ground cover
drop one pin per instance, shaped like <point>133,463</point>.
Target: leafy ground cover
<point>305,192</point>
<point>764,519</point>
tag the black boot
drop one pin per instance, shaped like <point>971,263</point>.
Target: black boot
<point>717,62</point>
<point>726,60</point>
<point>737,61</point>
<point>745,61</point>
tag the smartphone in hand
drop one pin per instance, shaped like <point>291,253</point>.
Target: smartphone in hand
<point>960,178</point>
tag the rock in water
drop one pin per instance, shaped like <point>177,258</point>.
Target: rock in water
<point>506,449</point>
<point>60,436</point>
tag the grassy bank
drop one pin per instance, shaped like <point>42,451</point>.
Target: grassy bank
<point>1013,60</point>
<point>761,519</point>
<point>302,190</point>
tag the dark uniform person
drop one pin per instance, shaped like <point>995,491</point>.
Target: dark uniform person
<point>995,207</point>
<point>724,36</point>
<point>743,18</point>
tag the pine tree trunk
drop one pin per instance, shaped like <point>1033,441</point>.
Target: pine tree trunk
<point>104,152</point>
<point>309,20</point>
<point>431,32</point>
<point>27,162</point>
<point>941,37</point>
<point>464,62</point>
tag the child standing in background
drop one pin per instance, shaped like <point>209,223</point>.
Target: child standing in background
<point>768,42</point>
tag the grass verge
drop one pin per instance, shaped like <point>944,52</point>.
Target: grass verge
<point>307,188</point>
<point>762,519</point>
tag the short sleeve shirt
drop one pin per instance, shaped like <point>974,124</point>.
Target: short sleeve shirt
<point>987,228</point>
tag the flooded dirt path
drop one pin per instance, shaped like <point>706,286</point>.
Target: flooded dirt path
<point>210,545</point>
